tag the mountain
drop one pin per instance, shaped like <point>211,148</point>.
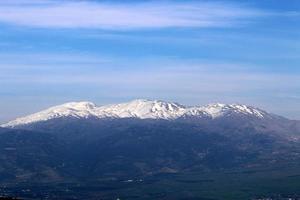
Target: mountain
<point>81,143</point>
<point>222,118</point>
<point>140,109</point>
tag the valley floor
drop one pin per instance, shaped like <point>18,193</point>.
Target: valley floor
<point>235,184</point>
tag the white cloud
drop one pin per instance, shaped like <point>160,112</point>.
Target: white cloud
<point>88,14</point>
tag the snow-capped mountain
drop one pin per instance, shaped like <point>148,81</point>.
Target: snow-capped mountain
<point>141,109</point>
<point>89,142</point>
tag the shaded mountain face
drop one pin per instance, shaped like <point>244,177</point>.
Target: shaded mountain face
<point>28,156</point>
<point>142,138</point>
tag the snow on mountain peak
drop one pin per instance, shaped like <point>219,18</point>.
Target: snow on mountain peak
<point>144,109</point>
<point>219,109</point>
<point>72,109</point>
<point>140,108</point>
<point>79,105</point>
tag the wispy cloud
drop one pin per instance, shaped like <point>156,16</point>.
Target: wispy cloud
<point>99,15</point>
<point>194,76</point>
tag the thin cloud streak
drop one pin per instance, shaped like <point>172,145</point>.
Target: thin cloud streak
<point>204,78</point>
<point>88,14</point>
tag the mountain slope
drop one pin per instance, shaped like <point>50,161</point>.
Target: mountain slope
<point>124,148</point>
<point>29,155</point>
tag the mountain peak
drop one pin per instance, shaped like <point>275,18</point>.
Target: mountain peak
<point>142,108</point>
<point>79,105</point>
<point>219,109</point>
<point>139,108</point>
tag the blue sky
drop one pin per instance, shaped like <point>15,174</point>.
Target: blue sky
<point>192,52</point>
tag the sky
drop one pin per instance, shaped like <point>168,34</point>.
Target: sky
<point>191,52</point>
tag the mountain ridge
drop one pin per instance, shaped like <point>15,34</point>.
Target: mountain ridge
<point>139,108</point>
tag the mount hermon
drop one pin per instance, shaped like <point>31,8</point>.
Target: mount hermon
<point>141,109</point>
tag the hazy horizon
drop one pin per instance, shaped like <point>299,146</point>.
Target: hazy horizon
<point>191,52</point>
